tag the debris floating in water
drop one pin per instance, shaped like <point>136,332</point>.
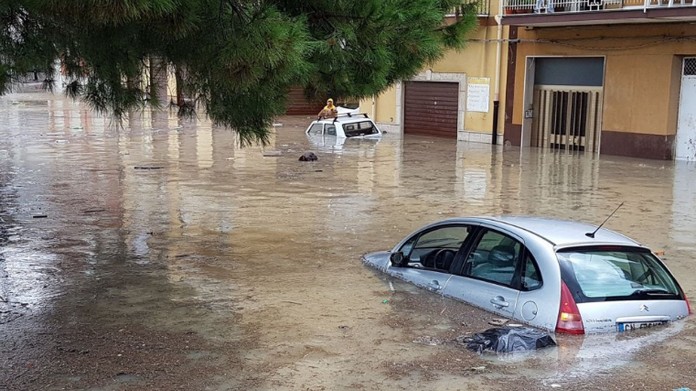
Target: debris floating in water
<point>271,153</point>
<point>308,157</point>
<point>507,339</point>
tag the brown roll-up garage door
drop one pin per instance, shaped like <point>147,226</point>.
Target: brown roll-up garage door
<point>431,108</point>
<point>299,105</point>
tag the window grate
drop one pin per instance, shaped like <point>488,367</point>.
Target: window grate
<point>689,66</point>
<point>568,118</point>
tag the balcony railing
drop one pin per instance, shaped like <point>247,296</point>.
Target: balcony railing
<point>551,6</point>
<point>482,7</point>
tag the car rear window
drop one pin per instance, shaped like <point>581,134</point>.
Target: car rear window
<point>359,128</point>
<point>617,273</point>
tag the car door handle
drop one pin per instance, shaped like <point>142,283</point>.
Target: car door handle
<point>499,301</point>
<point>435,285</point>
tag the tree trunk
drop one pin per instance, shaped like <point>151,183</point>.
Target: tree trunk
<point>158,81</point>
<point>179,73</point>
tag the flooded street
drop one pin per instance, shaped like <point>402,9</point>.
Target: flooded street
<point>160,255</point>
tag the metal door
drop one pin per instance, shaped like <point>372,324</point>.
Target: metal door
<point>431,108</point>
<point>567,117</point>
<point>298,104</point>
<point>686,124</point>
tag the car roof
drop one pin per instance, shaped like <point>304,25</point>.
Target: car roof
<point>559,232</point>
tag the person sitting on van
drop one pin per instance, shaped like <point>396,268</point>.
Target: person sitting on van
<point>329,111</point>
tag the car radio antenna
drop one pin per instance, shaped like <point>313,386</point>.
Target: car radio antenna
<point>591,234</point>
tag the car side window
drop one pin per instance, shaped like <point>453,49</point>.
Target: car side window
<point>331,130</point>
<point>316,129</point>
<point>359,128</point>
<point>366,127</point>
<point>531,277</point>
<point>494,258</point>
<point>435,249</point>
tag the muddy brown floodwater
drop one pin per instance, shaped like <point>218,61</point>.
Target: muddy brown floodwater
<point>159,255</point>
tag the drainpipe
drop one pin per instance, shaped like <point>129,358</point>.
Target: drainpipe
<point>498,57</point>
<point>374,103</point>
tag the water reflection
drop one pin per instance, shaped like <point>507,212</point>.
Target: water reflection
<point>329,143</point>
<point>683,225</point>
<point>190,217</point>
<point>577,359</point>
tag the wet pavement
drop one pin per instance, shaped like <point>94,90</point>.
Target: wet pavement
<point>156,254</point>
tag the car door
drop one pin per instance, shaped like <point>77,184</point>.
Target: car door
<point>489,276</point>
<point>538,300</point>
<point>430,254</point>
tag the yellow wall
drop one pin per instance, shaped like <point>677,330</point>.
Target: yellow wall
<point>477,59</point>
<point>626,97</point>
<point>642,70</point>
<point>381,108</point>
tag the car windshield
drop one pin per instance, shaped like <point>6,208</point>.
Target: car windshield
<point>617,273</point>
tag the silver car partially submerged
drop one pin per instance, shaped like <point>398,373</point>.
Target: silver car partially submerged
<point>558,275</point>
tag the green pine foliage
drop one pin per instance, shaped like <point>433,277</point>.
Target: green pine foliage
<point>236,58</point>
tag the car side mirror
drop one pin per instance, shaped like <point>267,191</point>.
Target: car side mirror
<point>397,259</point>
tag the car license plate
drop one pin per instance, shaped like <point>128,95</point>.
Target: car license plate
<point>629,326</point>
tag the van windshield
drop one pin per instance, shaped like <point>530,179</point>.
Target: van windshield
<point>616,273</point>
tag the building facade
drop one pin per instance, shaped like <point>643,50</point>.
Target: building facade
<point>613,77</point>
<point>458,97</point>
<point>607,77</point>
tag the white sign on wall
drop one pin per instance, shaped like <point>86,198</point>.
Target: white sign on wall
<point>478,94</point>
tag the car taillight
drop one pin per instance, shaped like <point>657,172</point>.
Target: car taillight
<point>688,305</point>
<point>569,319</point>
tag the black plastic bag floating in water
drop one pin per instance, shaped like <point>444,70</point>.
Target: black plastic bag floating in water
<point>308,157</point>
<point>508,339</point>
